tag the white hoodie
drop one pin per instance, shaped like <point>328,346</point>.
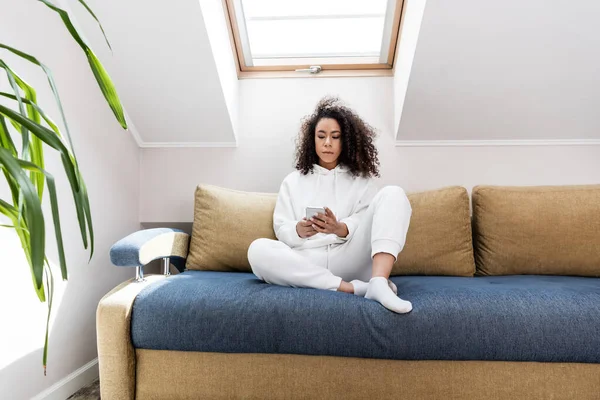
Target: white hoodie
<point>347,197</point>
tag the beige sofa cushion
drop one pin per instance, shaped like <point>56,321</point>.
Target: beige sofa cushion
<point>226,222</point>
<point>552,230</point>
<point>439,239</point>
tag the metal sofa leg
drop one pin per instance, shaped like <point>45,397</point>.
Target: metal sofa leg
<point>139,274</point>
<point>166,271</point>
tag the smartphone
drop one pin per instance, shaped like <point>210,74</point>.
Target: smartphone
<point>312,211</point>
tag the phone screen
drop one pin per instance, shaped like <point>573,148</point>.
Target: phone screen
<point>312,211</point>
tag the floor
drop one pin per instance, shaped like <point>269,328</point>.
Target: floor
<point>90,392</point>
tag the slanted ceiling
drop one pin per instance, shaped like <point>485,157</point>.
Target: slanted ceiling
<point>163,68</point>
<point>482,70</point>
<point>505,70</point>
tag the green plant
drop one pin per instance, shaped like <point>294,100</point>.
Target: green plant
<point>24,170</point>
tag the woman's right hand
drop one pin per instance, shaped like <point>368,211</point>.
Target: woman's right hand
<point>304,228</point>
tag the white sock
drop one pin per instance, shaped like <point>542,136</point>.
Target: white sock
<point>360,287</point>
<point>379,290</point>
<point>392,286</point>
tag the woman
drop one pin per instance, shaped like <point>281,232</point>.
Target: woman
<point>352,246</point>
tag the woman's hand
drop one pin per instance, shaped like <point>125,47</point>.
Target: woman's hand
<point>328,223</point>
<point>305,228</point>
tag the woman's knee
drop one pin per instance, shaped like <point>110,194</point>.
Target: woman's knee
<point>391,191</point>
<point>258,248</point>
<point>396,195</point>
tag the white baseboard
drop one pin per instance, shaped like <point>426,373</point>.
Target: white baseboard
<point>516,142</point>
<point>71,383</point>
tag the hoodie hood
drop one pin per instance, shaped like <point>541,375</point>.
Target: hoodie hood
<point>340,168</point>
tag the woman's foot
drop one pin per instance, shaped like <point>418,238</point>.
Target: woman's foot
<point>360,287</point>
<point>380,290</point>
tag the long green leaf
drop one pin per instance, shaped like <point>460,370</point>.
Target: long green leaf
<point>30,94</point>
<point>97,20</point>
<point>37,154</point>
<point>7,143</point>
<point>51,82</point>
<point>20,225</point>
<point>55,214</point>
<point>33,214</point>
<point>69,164</point>
<point>24,236</point>
<point>46,135</point>
<point>14,190</point>
<point>50,290</point>
<point>12,227</point>
<point>37,151</point>
<point>37,108</point>
<point>88,215</point>
<point>104,82</point>
<point>13,214</point>
<point>24,132</point>
<point>5,139</point>
<point>79,205</point>
<point>23,232</point>
<point>8,210</point>
<point>11,211</point>
<point>107,87</point>
<point>37,157</point>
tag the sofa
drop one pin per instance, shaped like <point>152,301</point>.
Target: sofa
<point>504,284</point>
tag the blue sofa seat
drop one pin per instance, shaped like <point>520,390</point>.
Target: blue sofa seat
<point>504,318</point>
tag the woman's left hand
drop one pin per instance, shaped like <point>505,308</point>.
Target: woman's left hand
<point>328,223</point>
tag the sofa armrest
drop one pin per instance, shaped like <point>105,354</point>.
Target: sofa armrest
<point>141,247</point>
<point>116,355</point>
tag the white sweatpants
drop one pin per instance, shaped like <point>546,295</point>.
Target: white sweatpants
<point>383,228</point>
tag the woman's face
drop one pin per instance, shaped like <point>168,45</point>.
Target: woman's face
<point>328,142</point>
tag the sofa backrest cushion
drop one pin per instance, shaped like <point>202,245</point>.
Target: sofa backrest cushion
<point>439,238</point>
<point>226,222</point>
<point>548,230</point>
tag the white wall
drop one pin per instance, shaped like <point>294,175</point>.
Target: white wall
<point>169,176</point>
<point>425,168</point>
<point>270,113</point>
<point>109,160</point>
<point>269,120</point>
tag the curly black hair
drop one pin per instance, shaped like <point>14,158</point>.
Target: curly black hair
<point>358,153</point>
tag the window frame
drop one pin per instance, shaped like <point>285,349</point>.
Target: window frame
<point>327,70</point>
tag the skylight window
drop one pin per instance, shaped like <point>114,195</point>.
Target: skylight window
<point>285,35</point>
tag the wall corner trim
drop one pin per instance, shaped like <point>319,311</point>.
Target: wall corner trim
<point>508,142</point>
